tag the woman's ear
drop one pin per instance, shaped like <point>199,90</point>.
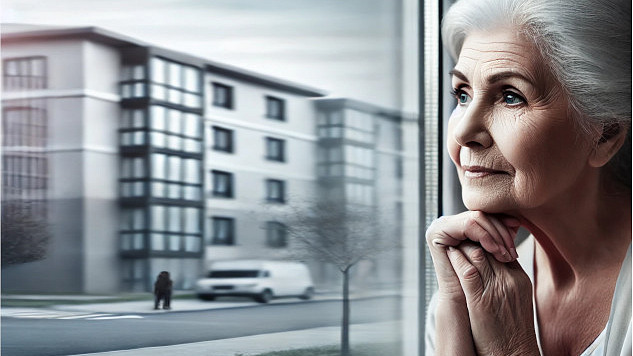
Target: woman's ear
<point>608,144</point>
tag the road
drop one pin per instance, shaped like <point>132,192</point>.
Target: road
<point>54,336</point>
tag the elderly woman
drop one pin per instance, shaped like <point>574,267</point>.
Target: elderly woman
<point>540,139</point>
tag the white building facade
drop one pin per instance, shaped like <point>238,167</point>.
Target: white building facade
<point>144,159</point>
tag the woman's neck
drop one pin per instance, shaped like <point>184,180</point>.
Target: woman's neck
<point>581,235</point>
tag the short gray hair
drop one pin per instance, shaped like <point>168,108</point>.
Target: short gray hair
<point>585,43</point>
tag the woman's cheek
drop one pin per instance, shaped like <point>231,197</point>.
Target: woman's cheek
<point>452,145</point>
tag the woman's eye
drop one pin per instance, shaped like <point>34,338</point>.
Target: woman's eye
<point>462,97</point>
<point>511,98</point>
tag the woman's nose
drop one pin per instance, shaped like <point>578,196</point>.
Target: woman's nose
<point>470,129</point>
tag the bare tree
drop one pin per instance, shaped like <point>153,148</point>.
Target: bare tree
<point>341,235</point>
<point>25,235</point>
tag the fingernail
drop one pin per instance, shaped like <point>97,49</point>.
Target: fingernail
<point>451,249</point>
<point>514,252</point>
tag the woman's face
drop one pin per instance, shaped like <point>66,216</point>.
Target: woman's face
<point>511,137</point>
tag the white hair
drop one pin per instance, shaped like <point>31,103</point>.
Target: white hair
<point>586,44</point>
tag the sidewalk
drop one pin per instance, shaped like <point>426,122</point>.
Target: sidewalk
<point>383,332</point>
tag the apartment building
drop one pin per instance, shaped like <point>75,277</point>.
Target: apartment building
<point>145,159</point>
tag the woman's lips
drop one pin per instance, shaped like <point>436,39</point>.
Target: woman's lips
<point>479,172</point>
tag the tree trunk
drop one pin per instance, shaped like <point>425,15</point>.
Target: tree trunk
<point>345,351</point>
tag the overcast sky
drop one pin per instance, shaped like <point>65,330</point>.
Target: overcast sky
<point>350,48</point>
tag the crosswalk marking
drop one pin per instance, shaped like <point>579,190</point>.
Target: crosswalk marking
<point>82,316</point>
<point>117,317</point>
<point>65,315</point>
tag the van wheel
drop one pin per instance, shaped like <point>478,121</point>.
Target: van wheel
<point>307,294</point>
<point>265,297</point>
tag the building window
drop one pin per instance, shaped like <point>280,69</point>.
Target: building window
<point>24,73</point>
<point>276,234</point>
<point>222,139</point>
<point>275,108</point>
<point>222,184</point>
<point>222,96</point>
<point>175,83</point>
<point>223,231</point>
<point>275,190</point>
<point>275,149</point>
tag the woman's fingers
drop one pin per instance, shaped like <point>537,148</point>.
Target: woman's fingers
<point>472,269</point>
<point>491,232</point>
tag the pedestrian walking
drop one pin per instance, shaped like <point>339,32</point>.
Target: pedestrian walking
<point>162,290</point>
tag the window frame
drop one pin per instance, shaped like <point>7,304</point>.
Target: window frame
<point>272,101</point>
<point>229,192</point>
<point>280,155</point>
<point>230,240</point>
<point>228,103</point>
<point>274,241</point>
<point>273,185</point>
<point>228,147</point>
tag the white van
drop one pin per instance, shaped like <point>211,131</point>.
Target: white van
<point>260,279</point>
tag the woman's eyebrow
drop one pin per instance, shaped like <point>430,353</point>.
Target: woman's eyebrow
<point>508,74</point>
<point>458,74</point>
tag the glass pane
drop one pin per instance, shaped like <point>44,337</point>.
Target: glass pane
<point>175,77</point>
<point>158,217</point>
<point>159,164</point>
<point>174,168</point>
<point>158,242</point>
<point>175,219</point>
<point>158,70</point>
<point>174,243</point>
<point>159,114</point>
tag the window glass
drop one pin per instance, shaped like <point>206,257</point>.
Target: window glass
<point>158,242</point>
<point>275,149</point>
<point>175,219</point>
<point>192,244</point>
<point>159,164</point>
<point>223,231</point>
<point>275,190</point>
<point>174,243</point>
<point>192,82</point>
<point>222,95</point>
<point>275,108</point>
<point>222,139</point>
<point>192,220</point>
<point>158,70</point>
<point>174,168</point>
<point>222,184</point>
<point>158,217</point>
<point>159,115</point>
<point>276,234</point>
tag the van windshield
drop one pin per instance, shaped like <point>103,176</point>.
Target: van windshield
<point>235,274</point>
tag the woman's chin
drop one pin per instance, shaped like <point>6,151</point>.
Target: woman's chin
<point>487,204</point>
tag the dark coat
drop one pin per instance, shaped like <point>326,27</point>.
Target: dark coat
<point>163,284</point>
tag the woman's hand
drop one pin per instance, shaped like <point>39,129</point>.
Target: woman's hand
<point>453,334</point>
<point>499,300</point>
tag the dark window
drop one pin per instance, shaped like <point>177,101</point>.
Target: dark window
<point>275,108</point>
<point>222,96</point>
<point>24,73</point>
<point>275,190</point>
<point>222,184</point>
<point>223,231</point>
<point>276,234</point>
<point>222,139</point>
<point>247,273</point>
<point>275,149</point>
